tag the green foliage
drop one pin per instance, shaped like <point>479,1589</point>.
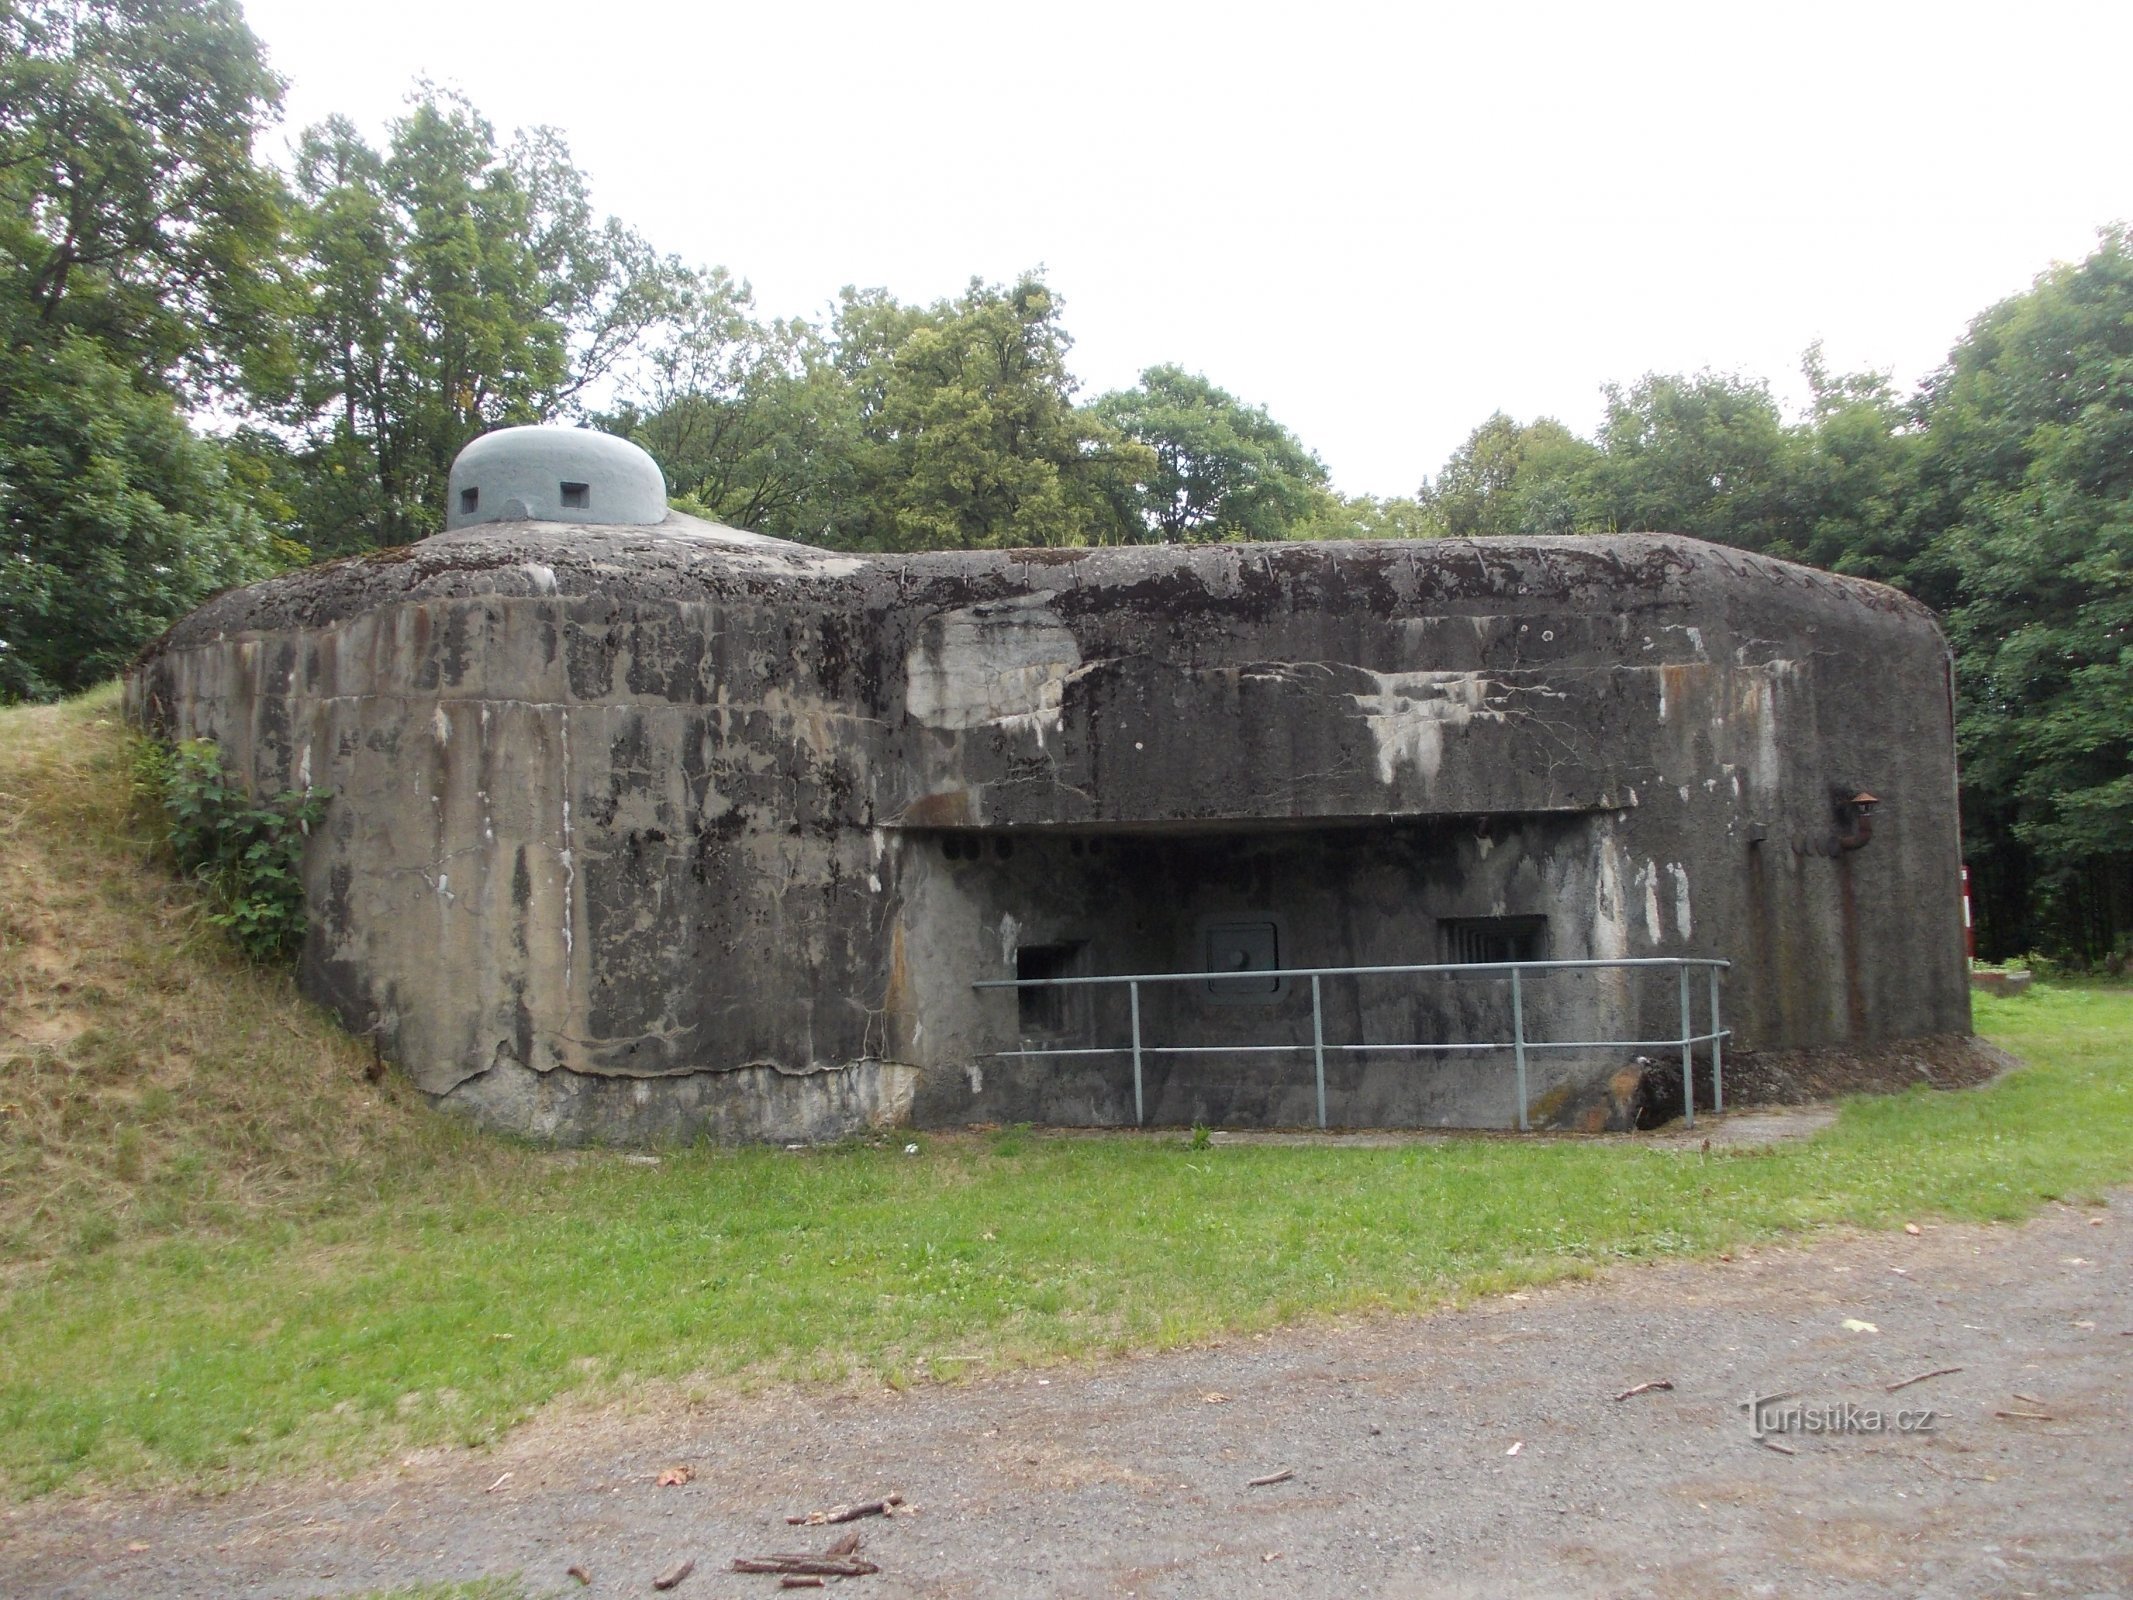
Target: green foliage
<point>1851,481</point>
<point>132,210</point>
<point>901,427</point>
<point>367,318</point>
<point>455,285</point>
<point>1364,516</point>
<point>2030,460</point>
<point>1709,455</point>
<point>115,518</point>
<point>967,436</point>
<point>139,264</point>
<point>2002,496</point>
<point>1516,478</point>
<point>752,422</point>
<point>1705,455</point>
<point>1221,469</point>
<point>896,427</point>
<point>249,857</point>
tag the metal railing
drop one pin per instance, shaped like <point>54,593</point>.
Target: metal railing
<point>1518,1044</point>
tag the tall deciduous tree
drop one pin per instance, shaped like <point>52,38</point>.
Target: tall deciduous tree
<point>1851,480</point>
<point>1517,478</point>
<point>967,434</point>
<point>140,265</point>
<point>115,518</point>
<point>1222,469</point>
<point>2029,448</point>
<point>132,211</point>
<point>1707,455</point>
<point>751,421</point>
<point>455,285</point>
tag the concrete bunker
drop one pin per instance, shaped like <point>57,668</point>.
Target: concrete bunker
<point>648,828</point>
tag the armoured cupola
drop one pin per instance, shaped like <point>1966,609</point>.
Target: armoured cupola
<point>544,474</point>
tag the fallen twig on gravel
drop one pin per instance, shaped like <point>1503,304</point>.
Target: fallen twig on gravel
<point>793,1580</point>
<point>578,1571</point>
<point>1645,1388</point>
<point>806,1565</point>
<point>1967,1477</point>
<point>674,1574</point>
<point>1905,1383</point>
<point>886,1506</point>
<point>1781,1449</point>
<point>2027,1416</point>
<point>1283,1476</point>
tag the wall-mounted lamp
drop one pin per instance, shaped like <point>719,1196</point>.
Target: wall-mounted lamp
<point>1854,816</point>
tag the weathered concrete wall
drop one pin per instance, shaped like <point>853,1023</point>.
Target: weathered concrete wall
<point>1354,895</point>
<point>641,831</point>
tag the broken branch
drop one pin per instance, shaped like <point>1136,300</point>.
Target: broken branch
<point>1283,1476</point>
<point>886,1506</point>
<point>806,1565</point>
<point>1646,1388</point>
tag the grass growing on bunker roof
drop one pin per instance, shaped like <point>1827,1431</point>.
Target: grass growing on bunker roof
<point>224,1251</point>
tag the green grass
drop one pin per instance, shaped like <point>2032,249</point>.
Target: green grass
<point>435,1286</point>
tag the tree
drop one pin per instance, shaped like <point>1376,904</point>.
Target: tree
<point>115,518</point>
<point>1367,517</point>
<point>1851,480</point>
<point>2029,454</point>
<point>455,286</point>
<point>751,422</point>
<point>897,427</point>
<point>1707,455</point>
<point>132,211</point>
<point>140,265</point>
<point>966,435</point>
<point>1221,470</point>
<point>1516,478</point>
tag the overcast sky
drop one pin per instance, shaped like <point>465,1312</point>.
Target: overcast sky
<point>1380,222</point>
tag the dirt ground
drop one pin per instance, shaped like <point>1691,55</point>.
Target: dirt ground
<point>1475,1451</point>
<point>1797,1077</point>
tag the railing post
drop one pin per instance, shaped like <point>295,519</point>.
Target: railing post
<point>1133,992</point>
<point>1318,1048</point>
<point>1718,1051</point>
<point>1688,1056</point>
<point>1518,1043</point>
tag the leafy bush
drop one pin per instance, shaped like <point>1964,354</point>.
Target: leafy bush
<point>249,857</point>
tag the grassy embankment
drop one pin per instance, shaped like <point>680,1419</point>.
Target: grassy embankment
<point>225,1250</point>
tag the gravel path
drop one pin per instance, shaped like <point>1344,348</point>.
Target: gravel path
<point>1477,1451</point>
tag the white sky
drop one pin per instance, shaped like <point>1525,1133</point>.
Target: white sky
<point>1380,222</point>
